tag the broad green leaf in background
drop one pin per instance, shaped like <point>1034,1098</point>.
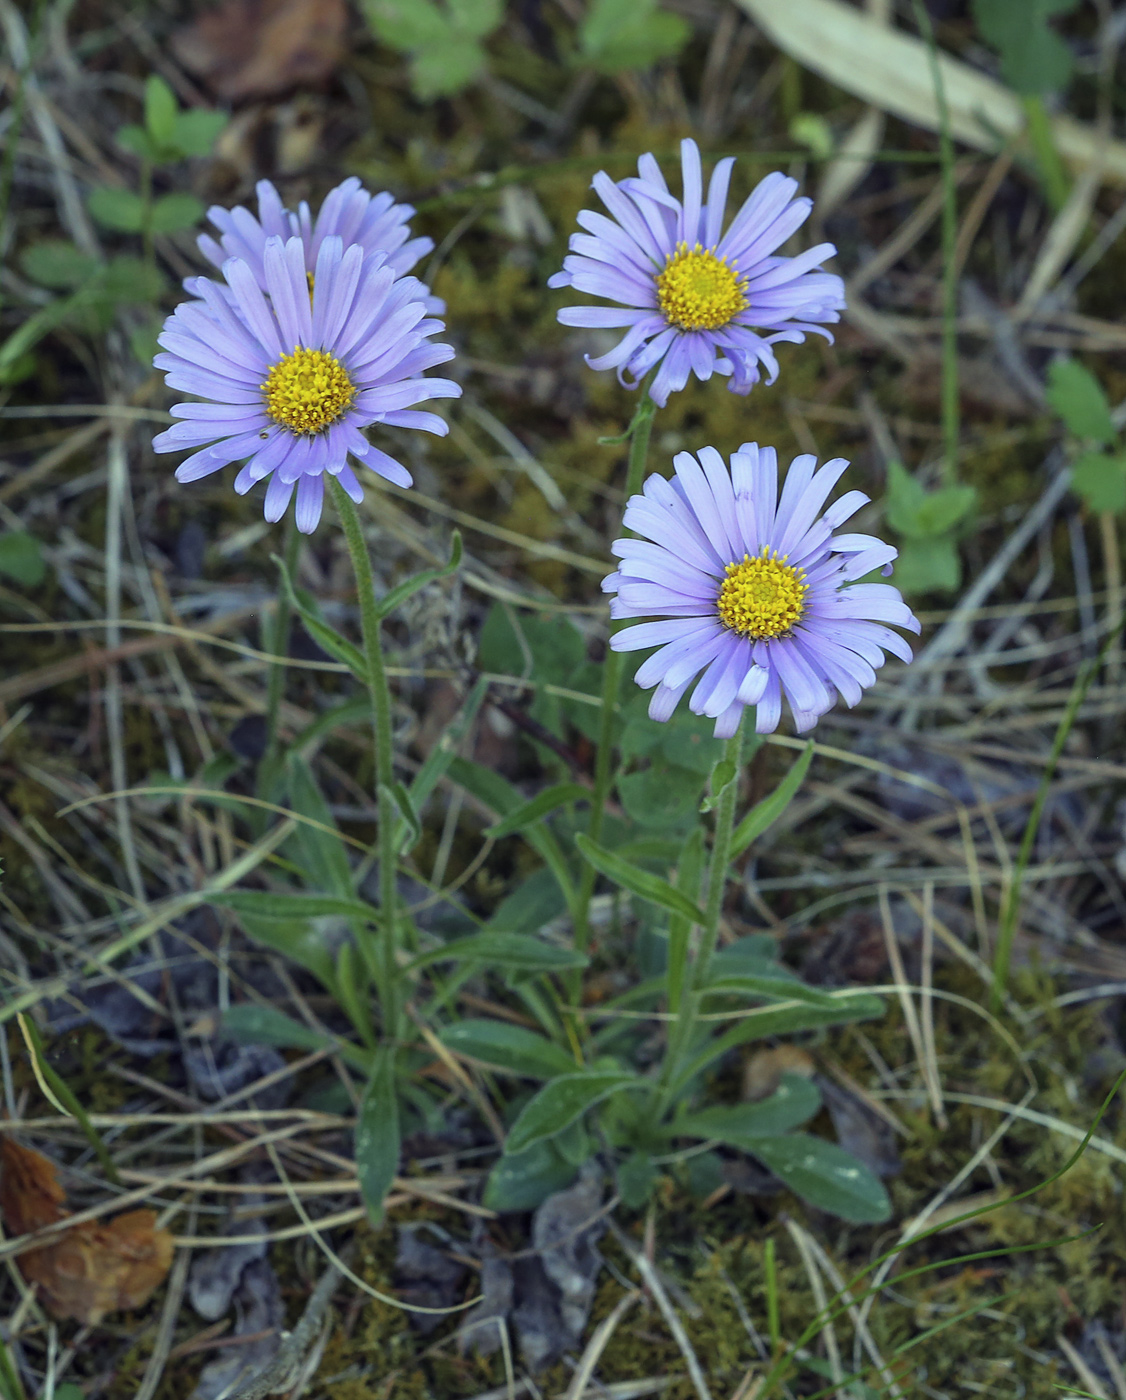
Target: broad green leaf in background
<point>160,110</point>
<point>637,881</point>
<point>524,1180</point>
<point>534,903</point>
<point>924,565</point>
<point>442,40</point>
<point>563,1101</point>
<point>476,17</point>
<point>511,1048</point>
<point>21,558</point>
<point>121,210</point>
<point>1078,398</point>
<point>377,1135</point>
<point>637,1176</point>
<point>824,1175</point>
<point>764,814</point>
<point>616,35</point>
<point>446,68</point>
<point>1034,59</point>
<point>660,795</point>
<point>795,1101</point>
<point>920,514</point>
<point>1100,479</point>
<point>196,131</point>
<point>172,213</point>
<point>57,263</point>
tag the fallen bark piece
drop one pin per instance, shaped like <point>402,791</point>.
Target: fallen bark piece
<point>91,1269</point>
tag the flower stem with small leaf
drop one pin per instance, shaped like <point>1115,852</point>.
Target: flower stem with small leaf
<point>383,965</point>
<point>639,433</point>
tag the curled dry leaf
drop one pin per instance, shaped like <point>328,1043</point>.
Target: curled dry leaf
<point>249,49</point>
<point>91,1269</point>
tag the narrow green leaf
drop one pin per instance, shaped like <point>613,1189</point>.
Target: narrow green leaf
<point>795,1101</point>
<point>324,635</point>
<point>722,774</point>
<point>322,851</point>
<point>538,807</point>
<point>563,1101</point>
<point>298,940</point>
<point>824,1175</point>
<point>637,881</point>
<point>266,1025</point>
<point>268,905</point>
<point>764,814</point>
<point>510,952</point>
<point>413,827</point>
<point>513,1049</point>
<point>160,110</point>
<point>779,986</point>
<point>401,592</point>
<point>377,1135</point>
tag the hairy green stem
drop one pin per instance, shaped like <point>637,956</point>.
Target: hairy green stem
<point>384,966</point>
<point>951,407</point>
<point>279,645</point>
<point>640,430</point>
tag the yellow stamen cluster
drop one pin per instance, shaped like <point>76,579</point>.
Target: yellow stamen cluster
<point>307,391</point>
<point>762,597</point>
<point>698,291</point>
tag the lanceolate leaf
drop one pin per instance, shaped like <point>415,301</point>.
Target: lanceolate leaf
<point>538,807</point>
<point>401,592</point>
<point>560,1103</point>
<point>266,1025</point>
<point>324,635</point>
<point>511,952</point>
<point>825,1175</point>
<point>377,1135</point>
<point>514,1049</point>
<point>794,1101</point>
<point>765,813</point>
<point>637,881</point>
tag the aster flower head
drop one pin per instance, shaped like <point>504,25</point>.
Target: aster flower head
<point>753,590</point>
<point>349,212</point>
<point>290,372</point>
<point>693,298</point>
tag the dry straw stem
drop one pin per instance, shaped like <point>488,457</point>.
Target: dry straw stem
<point>891,71</point>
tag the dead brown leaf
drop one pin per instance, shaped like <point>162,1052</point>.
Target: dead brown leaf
<point>250,49</point>
<point>92,1269</point>
<point>764,1070</point>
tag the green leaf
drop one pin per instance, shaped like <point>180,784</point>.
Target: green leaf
<point>510,952</point>
<point>21,558</point>
<point>639,882</point>
<point>795,1101</point>
<point>265,904</point>
<point>197,130</point>
<point>941,510</point>
<point>301,942</point>
<point>447,67</point>
<point>928,565</point>
<point>538,807</point>
<point>401,592</point>
<point>1100,479</point>
<point>172,213</point>
<point>402,800</point>
<point>1034,59</point>
<point>137,140</point>
<point>57,263</point>
<point>661,795</point>
<point>637,1176</point>
<point>266,1025</point>
<point>824,1175</point>
<point>563,1101</point>
<point>810,129</point>
<point>779,984</point>
<point>616,35</point>
<point>161,109</point>
<point>764,814</point>
<point>524,1180</point>
<point>130,280</point>
<point>323,854</point>
<point>476,17</point>
<point>117,209</point>
<point>1078,398</point>
<point>513,1049</point>
<point>377,1135</point>
<point>535,902</point>
<point>406,25</point>
<point>325,636</point>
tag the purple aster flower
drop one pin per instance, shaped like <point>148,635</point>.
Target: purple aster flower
<point>348,212</point>
<point>754,591</point>
<point>291,374</point>
<point>691,295</point>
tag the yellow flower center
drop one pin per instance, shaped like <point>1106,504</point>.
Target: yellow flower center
<point>762,597</point>
<point>698,291</point>
<point>307,391</point>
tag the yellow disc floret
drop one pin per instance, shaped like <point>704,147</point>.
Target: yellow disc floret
<point>698,291</point>
<point>762,597</point>
<point>307,391</point>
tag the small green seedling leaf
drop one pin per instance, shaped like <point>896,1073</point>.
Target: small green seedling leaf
<point>172,213</point>
<point>161,109</point>
<point>564,1101</point>
<point>442,41</point>
<point>476,17</point>
<point>723,773</point>
<point>930,565</point>
<point>618,35</point>
<point>637,1176</point>
<point>639,882</point>
<point>795,1101</point>
<point>810,129</point>
<point>920,514</point>
<point>377,1135</point>
<point>57,263</point>
<point>524,1180</point>
<point>196,131</point>
<point>21,558</point>
<point>121,210</point>
<point>401,592</point>
<point>764,814</point>
<point>510,1048</point>
<point>1100,479</point>
<point>1078,398</point>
